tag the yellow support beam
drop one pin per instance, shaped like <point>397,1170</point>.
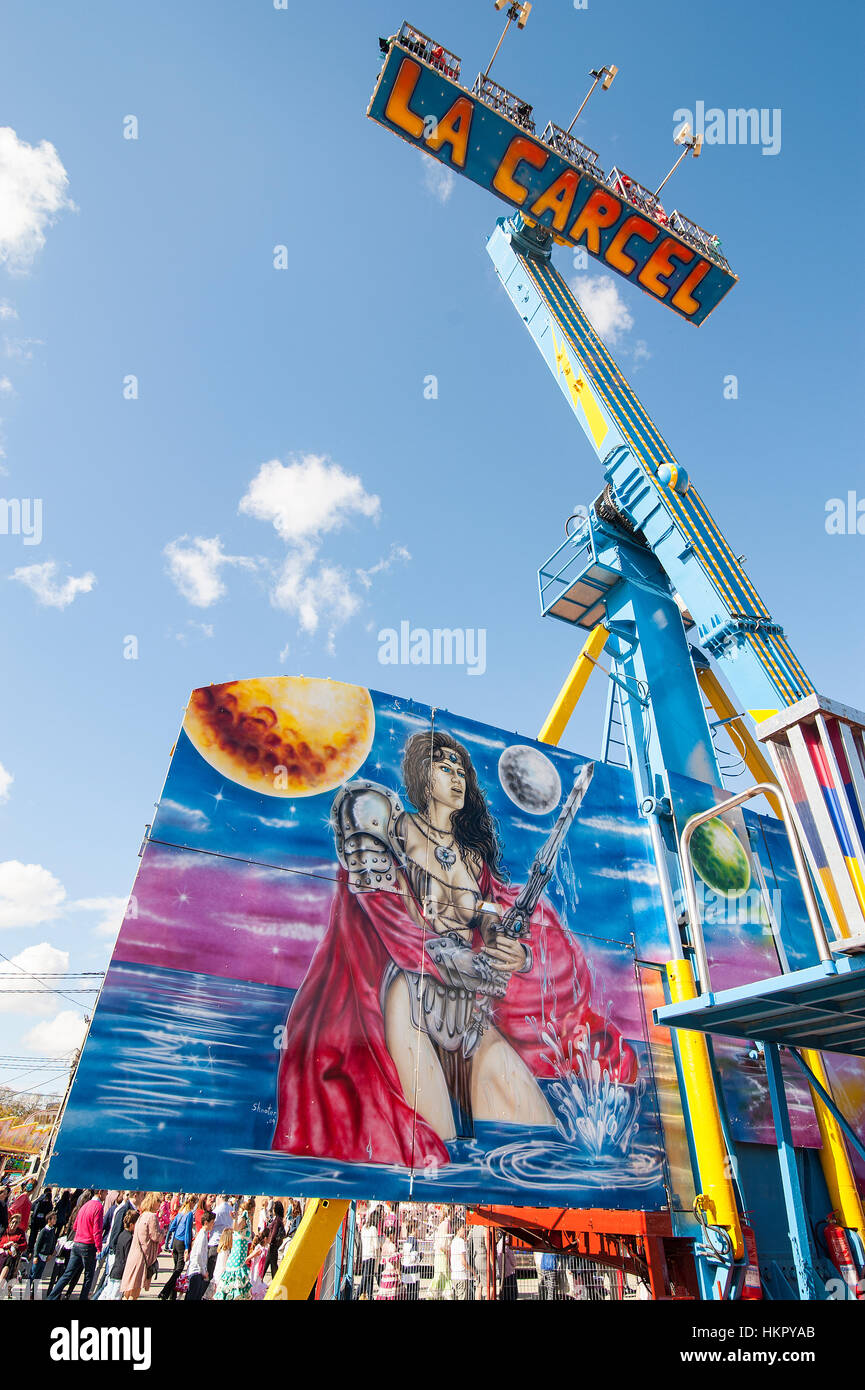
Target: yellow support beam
<point>713,1160</point>
<point>307,1252</point>
<point>755,759</point>
<point>834,1158</point>
<point>566,701</point>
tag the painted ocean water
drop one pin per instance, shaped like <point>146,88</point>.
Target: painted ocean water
<point>179,1079</point>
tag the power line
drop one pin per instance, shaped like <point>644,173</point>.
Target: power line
<point>25,1071</point>
<point>16,1076</point>
<point>73,989</point>
<point>32,976</point>
<point>64,975</point>
<point>10,1059</point>
<point>27,1090</point>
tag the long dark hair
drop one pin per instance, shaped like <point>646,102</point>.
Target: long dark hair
<point>473,826</point>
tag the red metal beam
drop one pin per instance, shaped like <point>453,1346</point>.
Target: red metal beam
<point>568,1222</point>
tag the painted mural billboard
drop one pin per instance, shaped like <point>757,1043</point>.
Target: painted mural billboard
<point>418,99</point>
<point>379,950</point>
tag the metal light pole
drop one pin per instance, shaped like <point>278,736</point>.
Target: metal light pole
<point>692,143</point>
<point>605,73</point>
<point>517,12</point>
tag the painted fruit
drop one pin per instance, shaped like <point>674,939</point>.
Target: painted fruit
<point>719,859</point>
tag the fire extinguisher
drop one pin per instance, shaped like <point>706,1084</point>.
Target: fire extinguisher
<point>752,1286</point>
<point>837,1241</point>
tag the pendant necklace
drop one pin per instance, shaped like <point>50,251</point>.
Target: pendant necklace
<point>443,853</point>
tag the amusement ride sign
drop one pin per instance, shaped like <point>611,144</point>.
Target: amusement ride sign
<point>426,107</point>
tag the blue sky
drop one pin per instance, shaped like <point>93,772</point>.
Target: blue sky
<point>251,135</point>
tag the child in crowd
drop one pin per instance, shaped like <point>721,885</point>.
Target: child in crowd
<point>111,1292</point>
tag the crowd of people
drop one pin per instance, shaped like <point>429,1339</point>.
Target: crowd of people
<point>95,1244</point>
<point>222,1247</point>
<point>412,1250</point>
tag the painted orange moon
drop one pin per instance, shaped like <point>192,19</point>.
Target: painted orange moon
<point>282,736</point>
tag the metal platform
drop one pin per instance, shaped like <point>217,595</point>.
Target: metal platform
<point>822,1007</point>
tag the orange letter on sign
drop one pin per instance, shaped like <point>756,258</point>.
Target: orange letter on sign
<point>683,299</point>
<point>517,151</point>
<point>453,129</point>
<point>397,109</point>
<point>559,197</point>
<point>615,253</point>
<point>661,263</point>
<point>601,210</point>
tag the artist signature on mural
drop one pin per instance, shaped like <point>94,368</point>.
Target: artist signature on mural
<point>266,1110</point>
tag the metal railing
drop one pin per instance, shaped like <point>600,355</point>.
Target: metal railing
<point>643,199</point>
<point>695,920</point>
<point>697,236</point>
<point>649,203</point>
<point>425,48</point>
<point>503,101</point>
<point>573,149</point>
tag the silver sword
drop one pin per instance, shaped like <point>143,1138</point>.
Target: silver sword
<point>516,921</point>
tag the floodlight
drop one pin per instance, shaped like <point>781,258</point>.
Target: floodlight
<point>517,12</point>
<point>694,143</point>
<point>603,75</point>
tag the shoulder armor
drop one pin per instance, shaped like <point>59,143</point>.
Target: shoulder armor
<point>364,817</point>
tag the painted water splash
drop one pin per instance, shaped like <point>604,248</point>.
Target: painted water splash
<point>181,1057</point>
<point>593,1109</point>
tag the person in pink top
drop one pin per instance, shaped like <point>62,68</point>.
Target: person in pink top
<point>85,1247</point>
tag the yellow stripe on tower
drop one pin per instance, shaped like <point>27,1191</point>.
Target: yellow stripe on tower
<point>581,394</point>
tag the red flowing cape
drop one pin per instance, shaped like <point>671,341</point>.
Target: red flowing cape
<point>339,1094</point>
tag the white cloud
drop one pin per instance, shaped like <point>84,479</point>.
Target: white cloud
<point>307,497</point>
<point>397,552</point>
<point>35,960</point>
<point>33,184</point>
<point>42,579</point>
<point>438,179</point>
<point>21,348</point>
<point>7,310</point>
<point>29,894</point>
<point>6,387</point>
<point>641,352</point>
<point>193,629</point>
<point>6,780</point>
<point>194,566</point>
<point>600,299</point>
<point>111,912</point>
<point>284,654</point>
<point>315,594</point>
<point>304,500</point>
<point>57,1036</point>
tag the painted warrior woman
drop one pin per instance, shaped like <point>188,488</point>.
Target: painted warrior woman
<point>412,999</point>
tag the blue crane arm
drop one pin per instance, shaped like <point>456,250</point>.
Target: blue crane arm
<point>650,488</point>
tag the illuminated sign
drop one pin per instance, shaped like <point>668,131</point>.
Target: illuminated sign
<point>432,112</point>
